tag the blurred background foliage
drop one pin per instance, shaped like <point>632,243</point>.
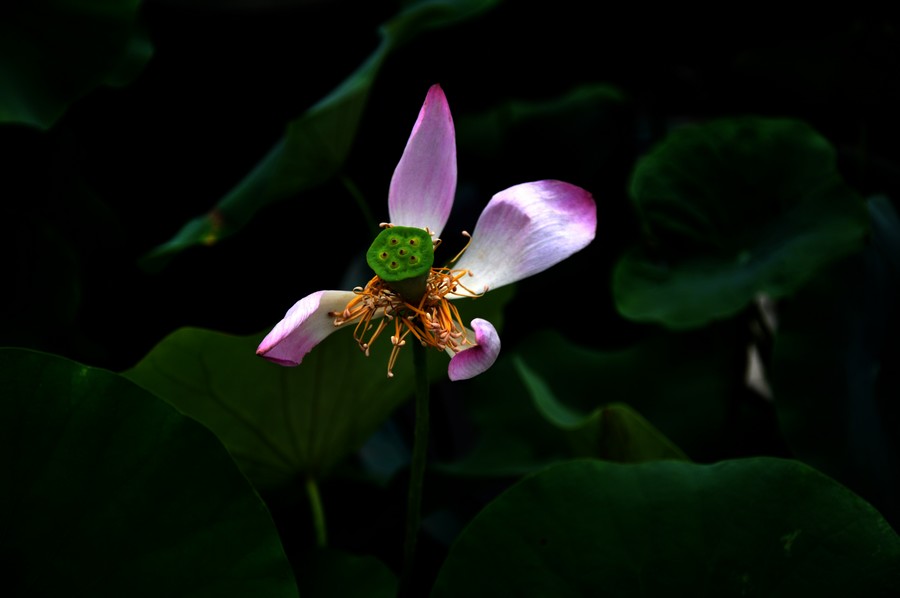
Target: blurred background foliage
<point>724,353</point>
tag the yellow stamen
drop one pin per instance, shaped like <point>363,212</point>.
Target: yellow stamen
<point>461,251</point>
<point>434,321</point>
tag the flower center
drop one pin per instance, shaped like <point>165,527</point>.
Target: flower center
<point>427,314</point>
<point>401,253</point>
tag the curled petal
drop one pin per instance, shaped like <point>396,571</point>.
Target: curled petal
<point>424,182</point>
<point>478,358</point>
<point>525,230</point>
<point>304,326</point>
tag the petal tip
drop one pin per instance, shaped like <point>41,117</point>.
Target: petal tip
<point>276,360</point>
<point>423,186</point>
<point>479,358</point>
<point>302,328</point>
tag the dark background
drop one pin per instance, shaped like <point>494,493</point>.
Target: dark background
<point>225,78</point>
<point>124,168</point>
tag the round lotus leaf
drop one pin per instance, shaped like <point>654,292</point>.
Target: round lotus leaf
<point>744,527</point>
<point>730,209</point>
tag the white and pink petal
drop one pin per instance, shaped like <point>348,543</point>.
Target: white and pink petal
<point>424,182</point>
<point>303,327</point>
<point>477,358</point>
<point>525,230</point>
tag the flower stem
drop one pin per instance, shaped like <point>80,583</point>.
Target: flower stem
<point>318,514</point>
<point>417,469</point>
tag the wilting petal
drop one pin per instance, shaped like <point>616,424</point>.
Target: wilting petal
<point>424,182</point>
<point>475,360</point>
<point>525,230</point>
<point>304,326</point>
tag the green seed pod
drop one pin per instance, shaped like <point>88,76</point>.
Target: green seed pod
<point>401,253</point>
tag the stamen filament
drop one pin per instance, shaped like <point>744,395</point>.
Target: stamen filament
<point>463,250</point>
<point>433,321</point>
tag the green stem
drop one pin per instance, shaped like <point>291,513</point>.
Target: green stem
<point>417,469</point>
<point>318,514</point>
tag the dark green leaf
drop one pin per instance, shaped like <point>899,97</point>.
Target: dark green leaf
<point>277,422</point>
<point>512,437</point>
<point>280,422</point>
<point>679,382</point>
<point>731,209</point>
<point>614,432</point>
<point>754,527</point>
<point>110,492</point>
<point>53,53</point>
<point>315,145</point>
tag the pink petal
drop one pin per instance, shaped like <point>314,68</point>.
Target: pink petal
<point>304,326</point>
<point>424,182</point>
<point>479,358</point>
<point>525,230</point>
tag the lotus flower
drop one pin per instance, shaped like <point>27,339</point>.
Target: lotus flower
<point>522,231</point>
